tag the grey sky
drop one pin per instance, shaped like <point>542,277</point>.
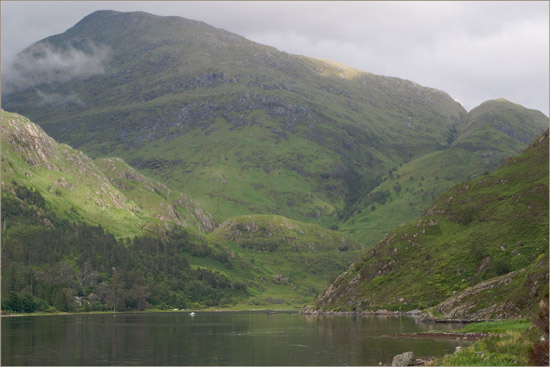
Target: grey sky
<point>474,51</point>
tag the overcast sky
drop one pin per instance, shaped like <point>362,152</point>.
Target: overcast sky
<point>474,51</point>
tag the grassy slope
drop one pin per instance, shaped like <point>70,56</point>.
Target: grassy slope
<point>246,129</point>
<point>106,192</point>
<point>293,261</point>
<point>477,230</point>
<point>493,131</point>
<point>510,349</point>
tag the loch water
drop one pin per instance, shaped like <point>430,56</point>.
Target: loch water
<point>215,338</point>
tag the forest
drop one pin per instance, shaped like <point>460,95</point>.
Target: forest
<point>52,265</point>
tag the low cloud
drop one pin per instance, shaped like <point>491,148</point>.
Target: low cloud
<point>58,99</point>
<point>44,63</point>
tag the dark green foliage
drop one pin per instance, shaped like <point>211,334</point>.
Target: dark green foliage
<point>29,195</point>
<point>47,265</point>
<point>453,134</point>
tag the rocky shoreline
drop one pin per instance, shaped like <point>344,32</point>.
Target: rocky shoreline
<point>422,316</point>
<point>444,335</point>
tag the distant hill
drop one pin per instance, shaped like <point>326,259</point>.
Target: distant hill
<point>491,133</point>
<point>482,247</point>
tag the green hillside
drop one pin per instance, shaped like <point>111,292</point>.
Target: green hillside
<point>493,132</point>
<point>107,192</point>
<point>181,126</point>
<point>495,225</point>
<point>291,262</point>
<point>100,230</point>
<point>241,127</point>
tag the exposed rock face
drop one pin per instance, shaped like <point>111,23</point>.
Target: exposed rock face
<point>30,140</point>
<point>96,186</point>
<point>464,304</point>
<point>206,222</point>
<point>177,209</point>
<point>404,359</point>
<point>504,297</point>
<point>32,145</point>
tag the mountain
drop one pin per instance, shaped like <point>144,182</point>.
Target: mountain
<point>480,251</point>
<point>241,127</point>
<point>99,230</point>
<point>104,192</point>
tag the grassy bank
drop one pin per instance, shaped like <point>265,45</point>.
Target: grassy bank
<point>509,345</point>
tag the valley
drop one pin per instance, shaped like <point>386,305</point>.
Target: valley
<point>165,165</point>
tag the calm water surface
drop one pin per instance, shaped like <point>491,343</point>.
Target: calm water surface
<point>228,338</point>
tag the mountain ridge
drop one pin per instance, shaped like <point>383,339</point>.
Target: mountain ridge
<point>244,128</point>
<point>255,87</point>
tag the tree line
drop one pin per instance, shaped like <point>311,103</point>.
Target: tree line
<point>51,264</point>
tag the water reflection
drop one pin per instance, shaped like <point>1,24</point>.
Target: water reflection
<point>233,338</point>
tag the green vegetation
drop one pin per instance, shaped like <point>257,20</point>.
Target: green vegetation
<point>509,350</point>
<point>48,262</point>
<point>138,229</point>
<point>245,129</point>
<point>106,192</point>
<point>491,133</point>
<point>514,345</point>
<point>56,265</point>
<point>483,245</point>
<point>258,136</point>
<point>497,326</point>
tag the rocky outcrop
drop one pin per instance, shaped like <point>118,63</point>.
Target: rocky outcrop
<point>35,146</point>
<point>505,297</point>
<point>404,359</point>
<point>274,232</point>
<point>95,187</point>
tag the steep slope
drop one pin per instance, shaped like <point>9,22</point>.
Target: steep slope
<point>480,229</point>
<point>60,210</point>
<point>513,295</point>
<point>240,126</point>
<point>109,193</point>
<point>155,197</point>
<point>493,131</point>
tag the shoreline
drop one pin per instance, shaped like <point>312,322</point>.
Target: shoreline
<point>35,314</point>
<point>417,314</point>
<point>444,335</point>
<point>414,313</point>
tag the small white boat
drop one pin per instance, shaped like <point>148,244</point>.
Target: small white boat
<point>192,314</point>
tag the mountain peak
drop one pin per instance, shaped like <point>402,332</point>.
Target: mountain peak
<point>222,117</point>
